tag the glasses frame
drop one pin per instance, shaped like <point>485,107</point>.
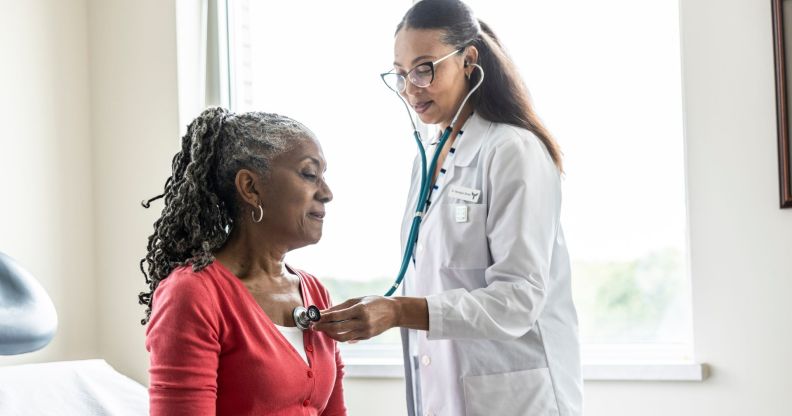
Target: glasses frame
<point>406,77</point>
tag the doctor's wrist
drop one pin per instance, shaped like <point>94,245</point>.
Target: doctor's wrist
<point>412,313</point>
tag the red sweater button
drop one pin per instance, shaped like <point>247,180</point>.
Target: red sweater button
<point>308,348</point>
<point>310,374</point>
<point>305,403</point>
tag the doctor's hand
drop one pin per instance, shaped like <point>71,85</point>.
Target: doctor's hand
<point>366,317</point>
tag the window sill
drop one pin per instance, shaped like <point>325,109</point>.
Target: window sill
<point>645,372</point>
<point>603,362</point>
<point>388,369</point>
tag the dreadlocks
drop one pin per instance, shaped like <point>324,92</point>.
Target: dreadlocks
<point>201,205</point>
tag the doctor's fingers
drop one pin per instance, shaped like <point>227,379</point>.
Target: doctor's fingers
<point>355,311</point>
<point>338,327</point>
<point>348,303</point>
<point>346,331</point>
<point>361,332</point>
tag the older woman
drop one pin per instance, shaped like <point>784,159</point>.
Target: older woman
<point>245,190</point>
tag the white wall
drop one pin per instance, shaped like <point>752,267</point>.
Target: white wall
<point>46,197</point>
<point>740,241</point>
<point>134,105</point>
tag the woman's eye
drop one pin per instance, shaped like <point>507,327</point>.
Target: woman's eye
<point>309,175</point>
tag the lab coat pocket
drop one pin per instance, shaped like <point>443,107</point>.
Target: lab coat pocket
<point>465,236</point>
<point>527,392</point>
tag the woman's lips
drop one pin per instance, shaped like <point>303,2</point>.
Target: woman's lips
<point>318,216</point>
<point>422,107</point>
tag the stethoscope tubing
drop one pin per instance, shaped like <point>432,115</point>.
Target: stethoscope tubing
<point>420,208</point>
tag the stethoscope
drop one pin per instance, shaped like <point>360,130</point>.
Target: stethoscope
<point>304,316</point>
<point>426,178</point>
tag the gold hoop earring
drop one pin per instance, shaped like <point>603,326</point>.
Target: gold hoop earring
<point>260,216</point>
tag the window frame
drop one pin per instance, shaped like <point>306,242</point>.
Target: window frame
<point>601,362</point>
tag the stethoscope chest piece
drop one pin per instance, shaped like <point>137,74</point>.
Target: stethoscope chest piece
<point>303,317</point>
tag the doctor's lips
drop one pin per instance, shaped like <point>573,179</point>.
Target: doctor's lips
<point>422,106</point>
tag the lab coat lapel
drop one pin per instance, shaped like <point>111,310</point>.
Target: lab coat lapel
<point>467,146</point>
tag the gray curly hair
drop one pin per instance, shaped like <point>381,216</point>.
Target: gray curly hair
<point>201,203</point>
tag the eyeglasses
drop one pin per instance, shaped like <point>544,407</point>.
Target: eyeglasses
<point>421,76</point>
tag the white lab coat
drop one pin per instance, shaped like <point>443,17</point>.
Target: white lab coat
<point>502,336</point>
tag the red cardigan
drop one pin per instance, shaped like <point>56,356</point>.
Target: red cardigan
<point>214,351</point>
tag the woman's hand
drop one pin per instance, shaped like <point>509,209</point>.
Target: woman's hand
<point>366,317</point>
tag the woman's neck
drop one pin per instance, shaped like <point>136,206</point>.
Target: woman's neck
<point>251,257</point>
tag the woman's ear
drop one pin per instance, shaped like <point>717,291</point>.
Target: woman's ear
<point>249,192</point>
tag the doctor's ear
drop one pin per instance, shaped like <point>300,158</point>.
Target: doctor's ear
<point>471,56</point>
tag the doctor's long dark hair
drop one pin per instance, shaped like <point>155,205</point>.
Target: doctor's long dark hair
<point>201,204</point>
<point>502,97</point>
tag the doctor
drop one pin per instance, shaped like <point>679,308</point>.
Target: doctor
<point>488,323</point>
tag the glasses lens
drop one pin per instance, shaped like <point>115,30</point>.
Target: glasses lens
<point>394,81</point>
<point>422,75</point>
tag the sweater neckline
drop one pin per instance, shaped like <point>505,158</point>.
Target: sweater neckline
<point>251,301</point>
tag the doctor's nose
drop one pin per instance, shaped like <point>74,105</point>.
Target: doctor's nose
<point>410,89</point>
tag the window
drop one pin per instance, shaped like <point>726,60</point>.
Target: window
<point>605,78</point>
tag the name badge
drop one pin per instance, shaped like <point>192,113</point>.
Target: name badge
<point>465,194</point>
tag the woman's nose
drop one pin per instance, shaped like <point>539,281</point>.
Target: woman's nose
<point>325,194</point>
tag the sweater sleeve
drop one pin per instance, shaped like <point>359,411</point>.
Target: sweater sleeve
<point>183,343</point>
